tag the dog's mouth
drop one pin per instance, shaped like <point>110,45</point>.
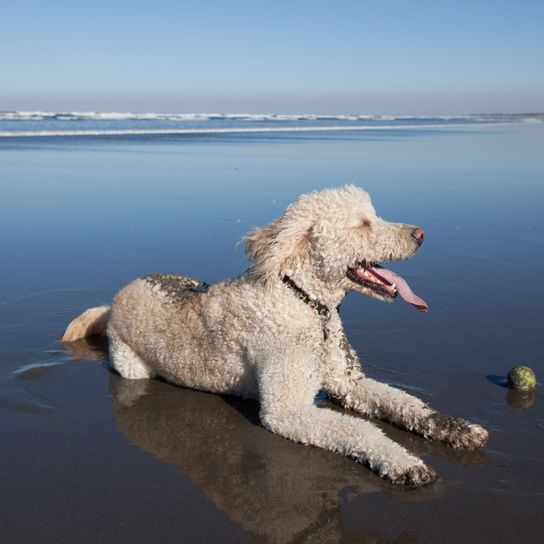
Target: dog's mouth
<point>385,283</point>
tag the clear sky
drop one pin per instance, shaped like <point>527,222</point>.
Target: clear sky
<point>337,56</point>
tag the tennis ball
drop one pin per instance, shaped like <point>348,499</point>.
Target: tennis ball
<point>522,378</point>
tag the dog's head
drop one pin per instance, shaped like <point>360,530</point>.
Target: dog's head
<point>335,237</point>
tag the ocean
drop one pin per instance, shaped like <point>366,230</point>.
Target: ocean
<point>90,201</point>
<point>74,124</point>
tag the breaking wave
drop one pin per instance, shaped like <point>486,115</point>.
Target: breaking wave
<point>205,131</point>
<point>27,124</point>
<point>185,117</point>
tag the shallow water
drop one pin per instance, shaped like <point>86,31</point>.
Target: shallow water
<point>90,457</point>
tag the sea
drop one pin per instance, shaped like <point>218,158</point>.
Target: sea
<point>89,201</point>
<point>74,124</point>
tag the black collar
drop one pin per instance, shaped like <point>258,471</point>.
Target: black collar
<point>319,307</point>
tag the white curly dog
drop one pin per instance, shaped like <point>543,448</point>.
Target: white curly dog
<point>274,333</point>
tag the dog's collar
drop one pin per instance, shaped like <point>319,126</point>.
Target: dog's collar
<point>319,307</point>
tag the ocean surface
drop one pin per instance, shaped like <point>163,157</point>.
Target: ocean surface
<point>72,124</point>
<point>90,201</point>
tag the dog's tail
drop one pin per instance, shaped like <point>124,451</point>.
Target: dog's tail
<point>91,321</point>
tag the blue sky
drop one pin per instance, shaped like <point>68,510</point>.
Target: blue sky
<point>343,56</point>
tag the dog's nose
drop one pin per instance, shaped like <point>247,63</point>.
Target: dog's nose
<point>418,235</point>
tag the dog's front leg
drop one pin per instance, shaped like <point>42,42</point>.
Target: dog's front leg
<point>347,384</point>
<point>287,394</point>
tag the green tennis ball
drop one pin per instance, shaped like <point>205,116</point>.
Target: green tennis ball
<point>522,378</point>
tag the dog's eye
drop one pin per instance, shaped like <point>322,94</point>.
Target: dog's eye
<point>364,224</point>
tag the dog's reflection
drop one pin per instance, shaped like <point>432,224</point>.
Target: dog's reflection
<point>276,490</point>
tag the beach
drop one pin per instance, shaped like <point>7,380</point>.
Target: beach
<point>91,202</point>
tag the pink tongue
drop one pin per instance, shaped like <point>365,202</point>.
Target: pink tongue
<point>404,289</point>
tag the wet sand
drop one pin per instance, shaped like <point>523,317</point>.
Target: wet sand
<point>130,461</point>
<point>89,457</point>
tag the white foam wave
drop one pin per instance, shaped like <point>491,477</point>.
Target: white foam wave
<point>188,117</point>
<point>211,131</point>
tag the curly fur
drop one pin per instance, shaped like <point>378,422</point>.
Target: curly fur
<point>251,336</point>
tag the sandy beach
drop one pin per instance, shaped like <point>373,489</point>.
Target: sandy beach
<point>90,457</point>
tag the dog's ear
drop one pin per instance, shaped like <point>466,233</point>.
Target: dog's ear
<point>260,240</point>
<point>276,248</point>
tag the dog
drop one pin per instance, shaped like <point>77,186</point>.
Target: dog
<point>274,333</point>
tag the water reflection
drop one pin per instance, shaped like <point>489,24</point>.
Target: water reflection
<point>272,488</point>
<point>276,490</point>
<point>94,348</point>
<point>520,400</point>
<point>516,399</point>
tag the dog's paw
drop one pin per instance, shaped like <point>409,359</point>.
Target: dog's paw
<point>469,436</point>
<point>456,432</point>
<point>414,475</point>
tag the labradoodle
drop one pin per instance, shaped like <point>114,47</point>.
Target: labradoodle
<point>274,333</point>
